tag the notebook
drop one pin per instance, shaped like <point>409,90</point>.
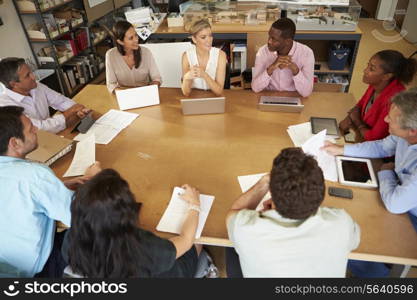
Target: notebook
<point>177,210</point>
<point>203,106</point>
<point>50,148</point>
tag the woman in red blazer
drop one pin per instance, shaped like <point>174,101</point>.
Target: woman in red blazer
<point>386,74</point>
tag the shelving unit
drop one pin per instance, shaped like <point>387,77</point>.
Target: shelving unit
<point>86,62</point>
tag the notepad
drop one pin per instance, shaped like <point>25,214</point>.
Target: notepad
<point>84,157</point>
<point>108,126</point>
<point>247,181</point>
<point>177,211</point>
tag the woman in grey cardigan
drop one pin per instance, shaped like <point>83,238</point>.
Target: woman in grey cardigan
<point>128,64</point>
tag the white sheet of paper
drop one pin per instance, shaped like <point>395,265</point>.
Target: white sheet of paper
<point>108,126</point>
<point>326,162</point>
<point>138,97</point>
<point>247,181</point>
<point>300,133</point>
<point>176,212</point>
<point>85,156</point>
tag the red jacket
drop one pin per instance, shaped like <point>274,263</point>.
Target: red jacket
<point>375,116</point>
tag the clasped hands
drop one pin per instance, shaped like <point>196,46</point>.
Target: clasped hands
<point>285,62</point>
<point>195,72</point>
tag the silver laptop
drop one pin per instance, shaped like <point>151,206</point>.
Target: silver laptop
<point>201,106</point>
<point>276,103</point>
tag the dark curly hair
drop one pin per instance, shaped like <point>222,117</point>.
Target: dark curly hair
<point>297,184</point>
<point>103,241</point>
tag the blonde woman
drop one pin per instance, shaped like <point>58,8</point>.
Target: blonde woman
<point>203,66</point>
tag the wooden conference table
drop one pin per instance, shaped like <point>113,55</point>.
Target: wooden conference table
<point>162,149</point>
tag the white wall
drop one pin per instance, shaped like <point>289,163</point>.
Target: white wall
<point>12,38</point>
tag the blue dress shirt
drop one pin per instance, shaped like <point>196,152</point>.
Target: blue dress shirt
<point>31,198</point>
<point>398,188</point>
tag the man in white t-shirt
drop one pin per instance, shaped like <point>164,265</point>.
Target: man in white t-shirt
<point>292,236</point>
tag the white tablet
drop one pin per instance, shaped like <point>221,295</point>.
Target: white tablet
<point>356,172</point>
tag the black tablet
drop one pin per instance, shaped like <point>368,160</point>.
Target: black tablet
<point>319,124</point>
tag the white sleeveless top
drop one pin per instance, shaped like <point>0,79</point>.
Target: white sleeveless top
<point>200,83</point>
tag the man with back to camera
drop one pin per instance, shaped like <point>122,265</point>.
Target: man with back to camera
<point>397,181</point>
<point>23,90</point>
<point>283,64</point>
<point>292,236</point>
<point>31,199</point>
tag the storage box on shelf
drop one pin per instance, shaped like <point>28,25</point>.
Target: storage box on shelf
<point>73,17</point>
<point>175,20</point>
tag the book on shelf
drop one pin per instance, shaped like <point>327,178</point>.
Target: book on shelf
<point>71,76</point>
<point>78,69</point>
<point>66,82</point>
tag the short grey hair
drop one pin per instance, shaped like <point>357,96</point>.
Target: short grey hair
<point>407,103</point>
<point>8,70</point>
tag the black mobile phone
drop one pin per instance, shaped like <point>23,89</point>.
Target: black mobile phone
<point>340,192</point>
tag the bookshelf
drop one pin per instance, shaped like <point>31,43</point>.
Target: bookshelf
<point>63,35</point>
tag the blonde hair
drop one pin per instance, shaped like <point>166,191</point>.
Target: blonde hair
<point>199,25</point>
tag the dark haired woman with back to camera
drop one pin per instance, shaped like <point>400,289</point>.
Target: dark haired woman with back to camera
<point>128,64</point>
<point>105,241</point>
<point>386,74</point>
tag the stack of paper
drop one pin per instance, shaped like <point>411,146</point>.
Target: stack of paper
<point>247,181</point>
<point>326,161</point>
<point>177,211</point>
<point>108,126</point>
<point>85,156</point>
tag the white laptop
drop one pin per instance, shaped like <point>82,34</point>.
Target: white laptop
<point>201,106</point>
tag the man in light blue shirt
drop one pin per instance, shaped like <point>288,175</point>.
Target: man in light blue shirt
<point>397,181</point>
<point>36,98</point>
<point>31,199</point>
